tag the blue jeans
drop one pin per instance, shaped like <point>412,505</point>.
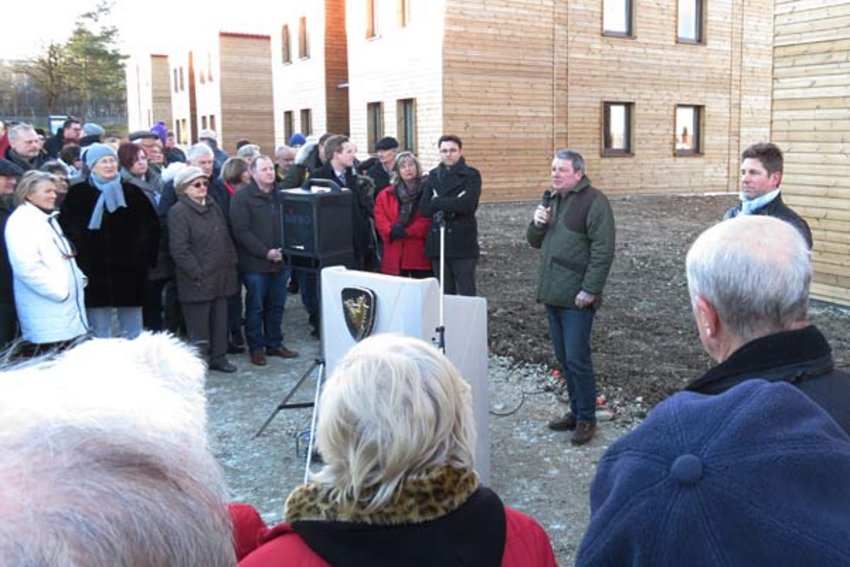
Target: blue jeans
<point>569,330</point>
<point>129,321</point>
<point>265,300</point>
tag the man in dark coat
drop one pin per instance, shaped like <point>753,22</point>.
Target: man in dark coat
<point>451,195</point>
<point>380,169</point>
<point>9,175</point>
<point>70,134</point>
<point>25,147</point>
<point>749,283</point>
<point>310,157</point>
<point>761,174</point>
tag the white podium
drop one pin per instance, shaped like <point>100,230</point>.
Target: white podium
<point>411,307</point>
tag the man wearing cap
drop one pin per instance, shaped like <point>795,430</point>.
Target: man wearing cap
<point>381,169</point>
<point>749,280</point>
<point>758,475</point>
<point>575,233</point>
<point>70,134</point>
<point>25,147</point>
<point>9,176</point>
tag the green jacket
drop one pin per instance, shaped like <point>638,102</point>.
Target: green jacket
<point>577,246</point>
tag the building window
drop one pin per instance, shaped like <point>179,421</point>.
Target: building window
<point>209,67</point>
<point>182,84</point>
<point>617,18</point>
<point>286,44</point>
<point>303,40</point>
<point>186,134</point>
<point>176,80</point>
<point>306,122</point>
<point>212,122</point>
<point>688,130</point>
<point>690,21</point>
<point>375,124</point>
<point>371,19</point>
<point>406,127</point>
<point>288,129</point>
<point>403,13</point>
<point>203,122</point>
<point>617,128</point>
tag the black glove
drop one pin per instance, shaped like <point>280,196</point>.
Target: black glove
<point>398,231</point>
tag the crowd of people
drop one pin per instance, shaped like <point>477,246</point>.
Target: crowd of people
<point>749,465</point>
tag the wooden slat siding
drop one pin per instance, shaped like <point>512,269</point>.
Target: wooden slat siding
<point>246,92</point>
<point>161,90</point>
<point>498,85</point>
<point>402,63</point>
<point>811,122</point>
<point>336,67</point>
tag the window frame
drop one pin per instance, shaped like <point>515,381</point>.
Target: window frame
<point>288,125</point>
<point>372,30</point>
<point>698,125</point>
<point>286,45</point>
<point>403,13</point>
<point>629,149</point>
<point>306,121</point>
<point>699,24</point>
<point>405,143</point>
<point>630,21</point>
<point>374,125</point>
<point>303,39</point>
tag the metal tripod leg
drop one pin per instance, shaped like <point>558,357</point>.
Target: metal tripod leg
<point>317,363</point>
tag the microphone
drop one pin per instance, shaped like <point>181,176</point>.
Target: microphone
<point>547,198</point>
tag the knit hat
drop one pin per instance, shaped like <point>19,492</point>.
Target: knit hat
<point>160,130</point>
<point>297,139</point>
<point>10,169</point>
<point>758,475</point>
<point>388,143</point>
<point>96,151</point>
<point>92,129</point>
<point>187,175</point>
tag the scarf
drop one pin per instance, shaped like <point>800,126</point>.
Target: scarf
<point>408,197</point>
<point>149,184</point>
<point>750,206</point>
<point>111,197</point>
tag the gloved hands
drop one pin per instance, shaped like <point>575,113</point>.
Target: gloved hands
<point>398,231</point>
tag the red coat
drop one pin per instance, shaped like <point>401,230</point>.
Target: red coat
<point>404,253</point>
<point>526,545</point>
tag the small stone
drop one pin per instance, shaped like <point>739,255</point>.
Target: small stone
<point>639,400</point>
<point>604,415</point>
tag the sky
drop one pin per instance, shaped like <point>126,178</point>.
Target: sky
<point>153,25</point>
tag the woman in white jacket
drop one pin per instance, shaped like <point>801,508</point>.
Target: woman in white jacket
<point>48,285</point>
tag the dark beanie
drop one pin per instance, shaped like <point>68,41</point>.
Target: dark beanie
<point>758,475</point>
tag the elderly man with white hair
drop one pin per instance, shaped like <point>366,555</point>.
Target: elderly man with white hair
<point>25,147</point>
<point>749,283</point>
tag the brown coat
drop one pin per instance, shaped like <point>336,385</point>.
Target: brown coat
<point>203,251</point>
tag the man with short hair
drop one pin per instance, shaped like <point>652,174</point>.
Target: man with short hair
<point>255,220</point>
<point>284,158</point>
<point>761,175</point>
<point>106,459</point>
<point>575,233</point>
<point>451,196</point>
<point>749,280</point>
<point>70,134</point>
<point>210,138</point>
<point>25,147</point>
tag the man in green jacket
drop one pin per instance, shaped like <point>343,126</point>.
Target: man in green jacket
<point>575,231</point>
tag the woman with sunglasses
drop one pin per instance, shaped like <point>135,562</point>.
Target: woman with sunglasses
<point>48,285</point>
<point>205,260</point>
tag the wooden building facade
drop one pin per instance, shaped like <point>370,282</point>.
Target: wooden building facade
<point>658,98</point>
<point>148,91</point>
<point>309,68</point>
<point>811,123</point>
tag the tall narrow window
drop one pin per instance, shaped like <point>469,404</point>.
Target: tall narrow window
<point>406,127</point>
<point>203,122</point>
<point>690,21</point>
<point>403,13</point>
<point>288,129</point>
<point>617,18</point>
<point>182,84</point>
<point>688,130</point>
<point>371,19</point>
<point>209,67</point>
<point>212,122</point>
<point>286,44</point>
<point>617,128</point>
<point>303,40</point>
<point>306,122</point>
<point>374,124</point>
<point>176,80</point>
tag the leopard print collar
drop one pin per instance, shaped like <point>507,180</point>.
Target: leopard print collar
<point>421,498</point>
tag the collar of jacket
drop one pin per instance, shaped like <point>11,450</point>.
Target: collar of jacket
<point>790,356</point>
<point>419,499</point>
<point>194,205</point>
<point>255,191</point>
<point>460,168</point>
<point>582,184</point>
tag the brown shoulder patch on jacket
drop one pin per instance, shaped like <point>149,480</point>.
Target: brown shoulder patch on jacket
<point>579,204</point>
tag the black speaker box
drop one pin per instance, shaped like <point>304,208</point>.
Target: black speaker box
<point>317,225</point>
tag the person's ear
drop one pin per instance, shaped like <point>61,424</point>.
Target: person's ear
<point>706,316</point>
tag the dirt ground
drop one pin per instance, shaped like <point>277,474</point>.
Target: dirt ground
<point>644,342</point>
<point>645,348</point>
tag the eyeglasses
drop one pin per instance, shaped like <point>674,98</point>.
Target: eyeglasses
<point>199,184</point>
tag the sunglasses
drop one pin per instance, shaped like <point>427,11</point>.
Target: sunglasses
<point>199,184</point>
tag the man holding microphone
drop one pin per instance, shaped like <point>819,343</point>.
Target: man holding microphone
<point>574,228</point>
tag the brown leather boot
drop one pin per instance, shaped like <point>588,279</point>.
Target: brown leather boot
<point>583,433</point>
<point>566,423</point>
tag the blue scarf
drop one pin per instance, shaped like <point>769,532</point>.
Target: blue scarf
<point>111,197</point>
<point>750,206</point>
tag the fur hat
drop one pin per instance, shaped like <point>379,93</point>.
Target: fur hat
<point>758,475</point>
<point>10,169</point>
<point>96,151</point>
<point>208,134</point>
<point>388,143</point>
<point>187,175</point>
<point>92,129</point>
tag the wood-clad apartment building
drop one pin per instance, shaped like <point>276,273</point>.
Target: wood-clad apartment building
<point>148,91</point>
<point>658,97</point>
<point>811,123</point>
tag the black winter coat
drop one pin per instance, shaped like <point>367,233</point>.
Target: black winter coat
<point>777,208</point>
<point>454,191</point>
<point>802,357</point>
<point>256,221</point>
<point>203,252</point>
<point>7,295</point>
<point>117,257</point>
